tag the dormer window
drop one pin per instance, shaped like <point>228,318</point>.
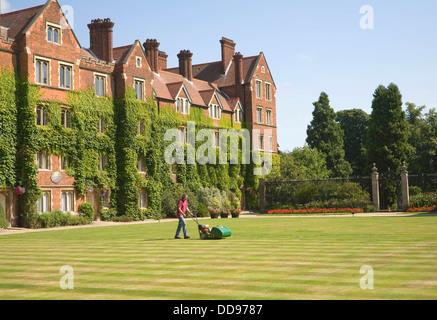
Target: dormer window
<point>53,34</point>
<point>182,105</point>
<point>238,116</point>
<point>215,111</point>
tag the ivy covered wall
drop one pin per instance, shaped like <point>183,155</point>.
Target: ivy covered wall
<point>120,130</point>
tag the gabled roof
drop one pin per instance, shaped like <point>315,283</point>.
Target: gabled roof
<point>234,103</point>
<point>211,72</point>
<point>122,53</point>
<point>18,21</point>
<point>167,86</point>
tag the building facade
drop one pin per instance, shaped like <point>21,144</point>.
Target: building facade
<point>39,45</point>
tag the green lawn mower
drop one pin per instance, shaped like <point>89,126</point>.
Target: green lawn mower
<point>215,233</point>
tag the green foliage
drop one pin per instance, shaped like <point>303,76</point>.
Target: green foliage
<point>86,210</point>
<point>326,135</point>
<point>59,219</point>
<point>423,200</point>
<point>354,124</point>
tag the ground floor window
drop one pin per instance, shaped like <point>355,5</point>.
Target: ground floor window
<point>143,199</point>
<point>44,203</point>
<point>67,201</point>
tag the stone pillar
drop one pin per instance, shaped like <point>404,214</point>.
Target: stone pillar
<point>262,195</point>
<point>375,187</point>
<point>405,204</point>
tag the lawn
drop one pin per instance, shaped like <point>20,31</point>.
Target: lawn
<point>266,258</point>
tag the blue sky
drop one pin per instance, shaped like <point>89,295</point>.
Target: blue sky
<point>311,45</point>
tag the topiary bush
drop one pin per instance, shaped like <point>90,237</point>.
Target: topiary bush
<point>86,210</point>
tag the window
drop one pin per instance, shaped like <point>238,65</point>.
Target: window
<point>42,72</point>
<point>65,118</point>
<point>100,82</point>
<point>139,89</point>
<point>268,91</point>
<point>217,139</point>
<point>67,201</point>
<point>263,69</point>
<point>138,62</point>
<point>141,164</point>
<point>143,200</point>
<point>182,105</point>
<point>53,34</point>
<point>103,162</point>
<point>174,169</point>
<point>269,117</point>
<point>238,116</point>
<point>140,128</point>
<point>271,143</point>
<point>43,160</point>
<point>41,119</point>
<point>258,89</point>
<point>259,115</point>
<point>261,142</point>
<point>215,111</point>
<point>43,204</point>
<point>65,79</point>
<point>101,126</point>
<point>65,163</point>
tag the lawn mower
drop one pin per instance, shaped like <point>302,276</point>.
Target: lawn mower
<point>215,233</point>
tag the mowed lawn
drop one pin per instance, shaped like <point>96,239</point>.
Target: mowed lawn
<point>266,258</point>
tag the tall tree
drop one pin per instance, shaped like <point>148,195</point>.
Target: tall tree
<point>388,145</point>
<point>325,135</point>
<point>354,124</point>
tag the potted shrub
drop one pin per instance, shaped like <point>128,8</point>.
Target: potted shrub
<point>224,214</point>
<point>235,213</point>
<point>214,213</point>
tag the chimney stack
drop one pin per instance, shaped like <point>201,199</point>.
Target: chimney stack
<point>238,62</point>
<point>186,64</point>
<point>162,60</point>
<point>228,51</point>
<point>151,47</point>
<point>101,39</point>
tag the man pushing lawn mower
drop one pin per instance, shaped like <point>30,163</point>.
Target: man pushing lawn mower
<point>182,214</point>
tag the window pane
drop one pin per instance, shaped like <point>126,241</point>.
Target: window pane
<point>55,35</point>
<point>69,201</point>
<point>64,201</point>
<point>96,84</point>
<point>68,77</point>
<point>45,73</point>
<point>102,87</point>
<point>39,205</point>
<point>62,77</point>
<point>50,34</point>
<point>46,202</point>
<point>38,71</point>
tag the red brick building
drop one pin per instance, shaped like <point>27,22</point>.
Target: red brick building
<point>38,44</point>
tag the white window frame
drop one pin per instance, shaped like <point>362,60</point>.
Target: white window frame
<point>138,59</point>
<point>43,116</point>
<point>143,83</point>
<point>268,89</point>
<point>183,105</point>
<point>54,26</point>
<point>49,67</point>
<point>269,120</point>
<point>71,67</point>
<point>259,94</point>
<point>67,200</point>
<point>215,111</point>
<point>105,79</point>
<point>261,142</point>
<point>44,203</point>
<point>143,199</point>
<point>46,159</point>
<point>66,117</point>
<point>262,114</point>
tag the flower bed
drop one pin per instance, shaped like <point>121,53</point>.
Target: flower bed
<point>316,211</point>
<point>422,209</point>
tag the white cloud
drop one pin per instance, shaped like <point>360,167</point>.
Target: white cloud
<point>5,6</point>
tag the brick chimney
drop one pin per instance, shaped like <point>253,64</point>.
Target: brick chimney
<point>186,64</point>
<point>151,46</point>
<point>162,60</point>
<point>101,39</point>
<point>228,51</point>
<point>238,62</point>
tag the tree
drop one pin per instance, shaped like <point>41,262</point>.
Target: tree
<point>325,135</point>
<point>355,123</point>
<point>422,139</point>
<point>388,145</point>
